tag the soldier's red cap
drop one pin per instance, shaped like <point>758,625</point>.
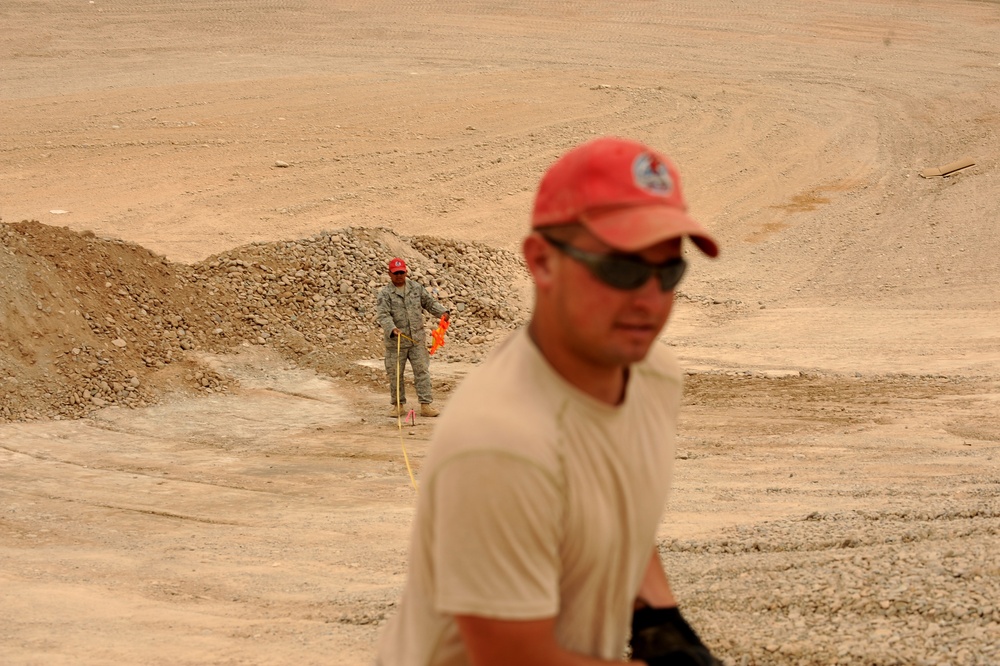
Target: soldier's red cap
<point>623,192</point>
<point>396,264</point>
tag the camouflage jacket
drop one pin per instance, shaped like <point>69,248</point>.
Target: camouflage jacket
<point>404,312</point>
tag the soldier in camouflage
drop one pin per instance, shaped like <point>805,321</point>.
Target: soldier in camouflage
<point>398,309</point>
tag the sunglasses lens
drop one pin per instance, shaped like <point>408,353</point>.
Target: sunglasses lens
<point>627,274</point>
<point>670,275</point>
<point>622,273</point>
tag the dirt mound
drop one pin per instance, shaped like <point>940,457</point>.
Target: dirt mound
<point>91,322</point>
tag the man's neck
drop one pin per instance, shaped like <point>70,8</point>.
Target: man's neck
<point>601,382</point>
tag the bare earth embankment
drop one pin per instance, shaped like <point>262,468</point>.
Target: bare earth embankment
<point>194,462</point>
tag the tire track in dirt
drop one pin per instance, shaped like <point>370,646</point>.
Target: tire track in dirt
<point>119,507</point>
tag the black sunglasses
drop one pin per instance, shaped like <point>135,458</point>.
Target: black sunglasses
<point>624,271</point>
<point>399,272</point>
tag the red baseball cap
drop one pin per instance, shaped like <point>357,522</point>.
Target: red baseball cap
<point>623,192</point>
<point>396,264</point>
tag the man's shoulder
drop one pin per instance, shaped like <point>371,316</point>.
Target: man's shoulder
<point>503,403</point>
<point>412,284</point>
<point>504,377</point>
<point>661,365</point>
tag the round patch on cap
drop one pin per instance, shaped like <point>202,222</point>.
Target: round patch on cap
<point>651,175</point>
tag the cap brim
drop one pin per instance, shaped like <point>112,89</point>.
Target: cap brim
<point>635,228</point>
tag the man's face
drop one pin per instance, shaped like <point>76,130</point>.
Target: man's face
<point>599,324</point>
<point>398,278</point>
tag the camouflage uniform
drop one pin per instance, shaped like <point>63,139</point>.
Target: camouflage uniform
<point>404,313</point>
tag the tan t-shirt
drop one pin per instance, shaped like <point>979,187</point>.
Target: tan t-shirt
<point>537,501</point>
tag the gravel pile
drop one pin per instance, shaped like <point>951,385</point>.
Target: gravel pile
<point>324,287</point>
<point>87,323</point>
<point>915,587</point>
<point>94,322</point>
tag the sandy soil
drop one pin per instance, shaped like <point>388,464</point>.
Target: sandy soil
<point>844,352</point>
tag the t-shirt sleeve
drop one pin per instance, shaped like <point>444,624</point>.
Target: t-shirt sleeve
<point>496,536</point>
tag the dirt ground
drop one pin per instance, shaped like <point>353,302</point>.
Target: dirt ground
<point>245,503</point>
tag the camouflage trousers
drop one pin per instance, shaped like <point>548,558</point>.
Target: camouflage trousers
<point>420,361</point>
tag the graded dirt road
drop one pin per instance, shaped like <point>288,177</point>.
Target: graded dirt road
<point>836,496</point>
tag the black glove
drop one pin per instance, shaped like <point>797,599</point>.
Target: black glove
<point>662,637</point>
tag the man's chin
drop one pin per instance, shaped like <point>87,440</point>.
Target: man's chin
<point>633,346</point>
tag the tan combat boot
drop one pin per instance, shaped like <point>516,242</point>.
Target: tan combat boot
<point>427,410</point>
<point>394,412</point>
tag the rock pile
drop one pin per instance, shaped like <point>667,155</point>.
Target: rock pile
<point>324,287</point>
<point>89,322</point>
<point>916,585</point>
<point>84,322</point>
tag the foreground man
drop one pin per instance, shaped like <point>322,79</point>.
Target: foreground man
<point>534,540</point>
<point>399,311</point>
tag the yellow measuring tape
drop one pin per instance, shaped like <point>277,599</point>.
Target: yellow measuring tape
<point>399,416</point>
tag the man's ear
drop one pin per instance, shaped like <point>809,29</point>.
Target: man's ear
<point>538,257</point>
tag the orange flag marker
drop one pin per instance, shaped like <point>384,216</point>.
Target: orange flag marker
<point>438,334</point>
